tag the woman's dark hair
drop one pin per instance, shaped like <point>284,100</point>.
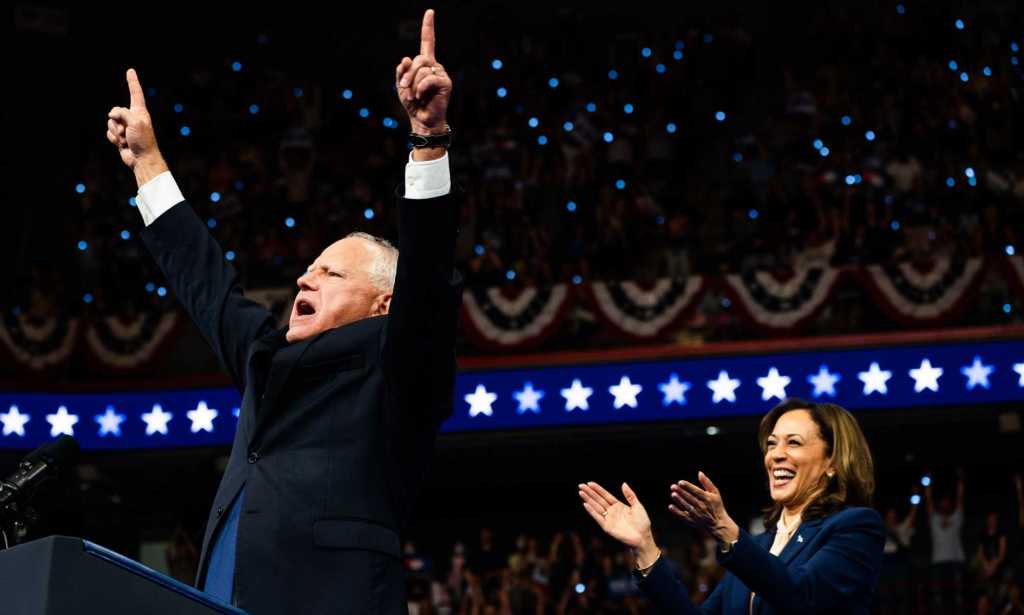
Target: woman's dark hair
<point>854,480</point>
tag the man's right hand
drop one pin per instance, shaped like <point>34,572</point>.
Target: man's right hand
<point>131,130</point>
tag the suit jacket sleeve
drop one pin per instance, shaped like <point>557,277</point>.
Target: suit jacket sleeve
<point>845,566</point>
<point>207,287</point>
<point>668,594</point>
<point>419,342</point>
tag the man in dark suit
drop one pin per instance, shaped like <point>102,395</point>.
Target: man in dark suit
<point>340,409</point>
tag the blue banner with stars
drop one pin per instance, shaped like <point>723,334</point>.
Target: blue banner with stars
<point>567,395</point>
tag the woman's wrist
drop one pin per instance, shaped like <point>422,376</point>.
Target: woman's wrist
<point>727,533</point>
<point>647,552</point>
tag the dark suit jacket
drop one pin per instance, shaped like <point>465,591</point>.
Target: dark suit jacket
<point>829,565</point>
<point>335,432</point>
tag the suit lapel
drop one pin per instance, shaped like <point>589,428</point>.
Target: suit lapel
<point>283,360</point>
<point>800,539</point>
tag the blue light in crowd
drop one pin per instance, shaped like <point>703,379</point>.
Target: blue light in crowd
<point>753,214</point>
<point>215,197</point>
<point>628,108</point>
<point>87,297</point>
<point>580,588</point>
<point>926,480</point>
<point>972,181</point>
<point>824,152</point>
<point>80,188</point>
<point>613,74</point>
<point>133,202</point>
<point>496,64</point>
<point>986,71</point>
<point>969,172</point>
<point>178,107</point>
<point>894,225</point>
<point>161,291</point>
<point>577,279</point>
<point>1014,47</point>
<point>510,275</point>
<point>677,55</point>
<point>185,131</point>
<point>478,249</point>
<point>952,65</point>
<point>151,92</point>
<point>964,77</point>
<point>870,135</point>
<point>708,37</point>
<point>670,128</point>
<point>289,222</point>
<point>737,157</point>
<point>364,112</point>
<point>502,92</point>
<point>818,144</point>
<point>901,10</point>
<point>1014,61</point>
<point>567,127</point>
<point>915,500</point>
<point>571,206</point>
<point>720,116</point>
<point>646,52</point>
<point>150,287</point>
<point>608,137</point>
<point>620,184</point>
<point>368,213</point>
<point>297,92</point>
<point>236,66</point>
<point>659,68</point>
<point>959,23</point>
<point>346,94</point>
<point>83,245</point>
<point>1010,250</point>
<point>850,180</point>
<point>680,45</point>
<point>553,82</point>
<point>950,182</point>
<point>254,109</point>
<point>659,220</point>
<point>387,122</point>
<point>726,303</point>
<point>542,140</point>
<point>533,122</point>
<point>212,223</point>
<point>591,107</point>
<point>229,255</point>
<point>239,185</point>
<point>126,235</point>
<point>1007,308</point>
<point>845,120</point>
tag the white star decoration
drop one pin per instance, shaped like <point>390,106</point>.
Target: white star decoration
<point>625,393</point>
<point>156,420</point>
<point>874,380</point>
<point>62,422</point>
<point>576,396</point>
<point>773,385</point>
<point>724,388</point>
<point>14,422</point>
<point>202,418</point>
<point>528,399</point>
<point>674,391</point>
<point>977,374</point>
<point>926,377</point>
<point>110,422</point>
<point>480,401</point>
<point>1019,368</point>
<point>824,382</point>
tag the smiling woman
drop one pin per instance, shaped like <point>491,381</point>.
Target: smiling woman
<point>823,548</point>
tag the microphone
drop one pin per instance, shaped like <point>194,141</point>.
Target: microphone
<point>35,468</point>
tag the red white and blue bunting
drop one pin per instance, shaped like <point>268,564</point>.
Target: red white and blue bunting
<point>782,305</point>
<point>525,320</point>
<point>913,297</point>
<point>127,344</point>
<point>646,313</point>
<point>38,343</point>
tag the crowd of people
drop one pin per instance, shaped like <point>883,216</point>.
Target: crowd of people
<point>706,148</point>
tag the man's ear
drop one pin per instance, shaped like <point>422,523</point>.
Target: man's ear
<point>381,305</point>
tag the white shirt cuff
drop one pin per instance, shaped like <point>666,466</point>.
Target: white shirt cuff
<point>157,196</point>
<point>427,179</point>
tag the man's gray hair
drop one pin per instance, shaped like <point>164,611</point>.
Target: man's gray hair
<point>384,266</point>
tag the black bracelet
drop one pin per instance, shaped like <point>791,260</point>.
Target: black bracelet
<point>423,141</point>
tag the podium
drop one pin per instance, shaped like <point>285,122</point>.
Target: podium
<point>59,575</point>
